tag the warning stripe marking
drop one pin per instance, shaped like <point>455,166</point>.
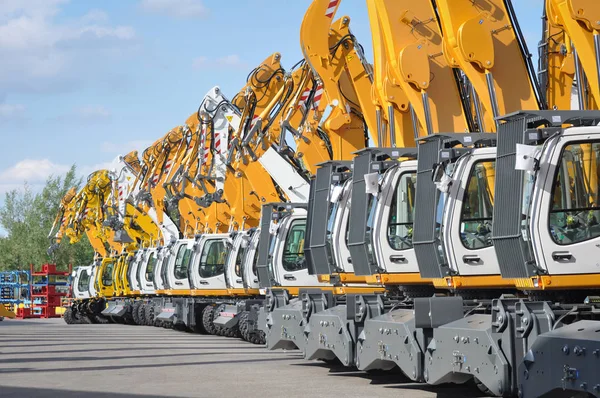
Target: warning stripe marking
<point>331,8</point>
<point>318,96</point>
<point>303,98</point>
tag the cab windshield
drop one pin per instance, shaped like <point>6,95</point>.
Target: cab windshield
<point>575,209</point>
<point>212,261</point>
<point>400,221</point>
<point>239,260</point>
<point>478,206</point>
<point>107,275</point>
<point>84,281</point>
<point>150,267</point>
<point>293,251</point>
<point>182,262</point>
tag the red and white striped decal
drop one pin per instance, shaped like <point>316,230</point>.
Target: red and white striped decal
<point>253,122</point>
<point>86,212</point>
<point>217,142</point>
<point>331,8</point>
<point>120,191</point>
<point>318,96</point>
<point>206,151</point>
<point>168,166</point>
<point>303,98</point>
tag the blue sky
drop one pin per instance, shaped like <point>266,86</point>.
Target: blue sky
<point>83,81</point>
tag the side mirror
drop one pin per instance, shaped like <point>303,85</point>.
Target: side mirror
<point>438,172</point>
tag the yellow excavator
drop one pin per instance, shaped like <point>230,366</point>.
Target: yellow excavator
<point>579,22</point>
<point>483,40</point>
<point>338,65</point>
<point>407,43</point>
<point>556,66</point>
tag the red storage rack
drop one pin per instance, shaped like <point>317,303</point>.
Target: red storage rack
<point>46,292</point>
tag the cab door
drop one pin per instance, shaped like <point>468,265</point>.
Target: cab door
<point>132,272</point>
<point>104,278</point>
<point>339,231</point>
<point>468,215</point>
<point>146,271</point>
<point>160,270</point>
<point>82,282</point>
<point>210,261</point>
<point>288,256</point>
<point>179,264</point>
<point>393,223</point>
<point>92,281</point>
<point>235,259</point>
<point>249,270</point>
<point>565,221</point>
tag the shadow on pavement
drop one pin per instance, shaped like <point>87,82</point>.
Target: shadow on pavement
<point>139,366</point>
<point>30,392</point>
<point>396,379</point>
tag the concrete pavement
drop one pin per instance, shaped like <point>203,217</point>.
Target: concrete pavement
<point>47,358</point>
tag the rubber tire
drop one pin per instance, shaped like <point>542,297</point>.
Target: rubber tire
<point>208,316</point>
<point>243,326</point>
<point>233,332</point>
<point>149,315</point>
<point>77,318</point>
<point>198,325</point>
<point>220,331</point>
<point>134,312</point>
<point>128,316</point>
<point>141,315</point>
<point>258,338</point>
<point>68,316</point>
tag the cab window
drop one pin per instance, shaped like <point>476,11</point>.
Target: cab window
<point>478,206</point>
<point>84,281</point>
<point>574,211</point>
<point>182,262</point>
<point>293,250</point>
<point>212,261</point>
<point>400,221</point>
<point>164,270</point>
<point>239,260</point>
<point>107,275</point>
<point>255,263</point>
<point>150,267</point>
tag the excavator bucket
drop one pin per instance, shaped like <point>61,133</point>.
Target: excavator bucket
<point>4,313</point>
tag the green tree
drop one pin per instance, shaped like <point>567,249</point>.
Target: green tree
<point>27,218</point>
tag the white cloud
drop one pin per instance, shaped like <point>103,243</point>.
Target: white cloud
<point>9,111</point>
<point>176,8</point>
<point>32,171</point>
<point>35,172</point>
<point>229,61</point>
<point>40,52</point>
